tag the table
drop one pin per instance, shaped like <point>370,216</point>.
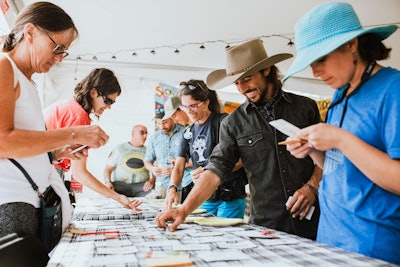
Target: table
<point>139,238</point>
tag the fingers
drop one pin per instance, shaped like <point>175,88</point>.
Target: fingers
<point>161,220</point>
<point>300,204</point>
<point>92,136</point>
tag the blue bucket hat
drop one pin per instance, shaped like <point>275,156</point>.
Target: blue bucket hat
<point>325,28</point>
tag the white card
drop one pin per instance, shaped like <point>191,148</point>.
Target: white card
<point>285,127</point>
<point>310,212</point>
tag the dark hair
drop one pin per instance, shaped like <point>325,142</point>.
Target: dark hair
<point>45,15</point>
<point>103,80</point>
<point>273,77</point>
<point>371,48</point>
<point>201,93</point>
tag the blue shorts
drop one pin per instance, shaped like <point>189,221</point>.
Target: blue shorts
<point>231,209</point>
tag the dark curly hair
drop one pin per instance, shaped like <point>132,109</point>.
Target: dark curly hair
<point>103,80</point>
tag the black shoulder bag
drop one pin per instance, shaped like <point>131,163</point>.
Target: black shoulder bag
<point>50,221</point>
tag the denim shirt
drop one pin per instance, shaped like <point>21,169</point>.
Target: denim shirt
<point>273,173</point>
<point>161,148</point>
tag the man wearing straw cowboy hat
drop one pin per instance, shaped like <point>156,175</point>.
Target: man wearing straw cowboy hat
<point>359,146</point>
<point>273,174</point>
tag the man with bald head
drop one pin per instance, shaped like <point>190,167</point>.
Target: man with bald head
<point>125,171</point>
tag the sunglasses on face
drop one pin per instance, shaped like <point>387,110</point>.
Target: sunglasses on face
<point>106,100</point>
<point>58,49</point>
<point>193,107</point>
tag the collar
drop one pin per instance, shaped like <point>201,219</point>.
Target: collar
<point>284,96</point>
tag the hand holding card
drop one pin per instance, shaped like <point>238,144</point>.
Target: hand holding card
<point>288,129</point>
<point>310,212</point>
<point>78,149</point>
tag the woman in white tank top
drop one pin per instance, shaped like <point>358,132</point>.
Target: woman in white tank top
<point>39,39</point>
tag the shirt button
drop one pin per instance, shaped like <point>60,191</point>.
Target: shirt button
<point>250,141</point>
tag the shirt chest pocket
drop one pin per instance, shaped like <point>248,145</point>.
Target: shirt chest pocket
<point>250,141</point>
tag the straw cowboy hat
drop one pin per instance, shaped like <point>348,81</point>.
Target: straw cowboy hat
<point>241,61</point>
<point>325,28</point>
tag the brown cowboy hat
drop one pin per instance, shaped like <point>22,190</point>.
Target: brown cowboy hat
<point>241,61</point>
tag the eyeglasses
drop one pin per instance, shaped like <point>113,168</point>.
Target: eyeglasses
<point>193,107</point>
<point>106,100</point>
<point>58,49</point>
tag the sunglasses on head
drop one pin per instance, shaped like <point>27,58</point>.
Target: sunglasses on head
<point>106,100</point>
<point>189,86</point>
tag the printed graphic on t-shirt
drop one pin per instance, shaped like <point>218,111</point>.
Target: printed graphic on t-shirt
<point>333,158</point>
<point>133,163</point>
<point>199,147</point>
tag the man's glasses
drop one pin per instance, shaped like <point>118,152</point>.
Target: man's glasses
<point>58,49</point>
<point>193,107</point>
<point>106,100</point>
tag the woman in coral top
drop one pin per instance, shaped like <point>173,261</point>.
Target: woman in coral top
<point>94,94</point>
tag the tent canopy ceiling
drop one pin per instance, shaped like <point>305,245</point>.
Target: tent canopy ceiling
<point>120,28</point>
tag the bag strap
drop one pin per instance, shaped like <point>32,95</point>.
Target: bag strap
<point>33,184</point>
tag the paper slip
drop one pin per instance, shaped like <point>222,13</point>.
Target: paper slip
<point>187,247</point>
<point>285,127</point>
<point>113,243</point>
<point>225,255</point>
<point>310,212</point>
<point>245,244</point>
<point>162,243</point>
<point>168,258</point>
<point>112,260</point>
<point>200,234</point>
<point>278,241</point>
<point>117,250</point>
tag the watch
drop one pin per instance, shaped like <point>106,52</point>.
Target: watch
<point>173,186</point>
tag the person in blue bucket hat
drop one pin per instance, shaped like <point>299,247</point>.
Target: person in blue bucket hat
<point>359,146</point>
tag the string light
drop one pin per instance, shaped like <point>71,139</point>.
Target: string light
<point>202,45</point>
<point>176,48</point>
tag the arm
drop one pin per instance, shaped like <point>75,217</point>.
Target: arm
<point>201,191</point>
<point>384,171</point>
<point>361,154</point>
<point>26,143</point>
<point>176,179</point>
<point>107,176</point>
<point>82,175</point>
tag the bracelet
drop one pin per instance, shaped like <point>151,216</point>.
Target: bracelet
<point>173,186</point>
<point>73,134</point>
<point>312,189</point>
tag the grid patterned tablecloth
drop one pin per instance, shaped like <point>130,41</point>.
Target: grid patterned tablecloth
<point>241,245</point>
